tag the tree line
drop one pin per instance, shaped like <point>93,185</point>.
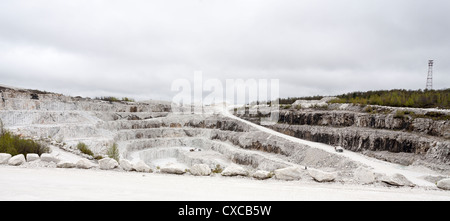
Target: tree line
<point>395,98</point>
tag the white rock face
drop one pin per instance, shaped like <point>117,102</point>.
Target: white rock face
<point>65,164</point>
<point>444,184</point>
<point>310,103</point>
<point>32,157</point>
<point>142,167</point>
<point>49,158</point>
<point>16,160</point>
<point>126,164</point>
<point>200,170</point>
<point>107,164</point>
<point>172,168</point>
<point>4,157</point>
<point>364,176</point>
<point>261,174</point>
<point>234,170</point>
<point>288,173</point>
<point>84,164</point>
<point>321,176</point>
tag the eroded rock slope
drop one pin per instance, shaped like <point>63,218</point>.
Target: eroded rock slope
<point>408,139</point>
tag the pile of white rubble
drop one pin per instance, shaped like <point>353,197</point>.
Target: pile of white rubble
<point>289,173</point>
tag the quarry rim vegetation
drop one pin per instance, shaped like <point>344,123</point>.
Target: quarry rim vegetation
<point>394,98</point>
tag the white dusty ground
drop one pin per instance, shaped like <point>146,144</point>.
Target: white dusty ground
<point>76,184</point>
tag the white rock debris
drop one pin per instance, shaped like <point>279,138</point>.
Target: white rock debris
<point>141,166</point>
<point>16,160</point>
<point>32,157</point>
<point>107,164</point>
<point>444,184</point>
<point>321,176</point>
<point>173,168</point>
<point>126,164</point>
<point>289,173</point>
<point>200,170</point>
<point>234,170</point>
<point>84,164</point>
<point>262,174</point>
<point>4,157</point>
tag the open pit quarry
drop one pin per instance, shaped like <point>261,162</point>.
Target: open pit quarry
<point>220,148</point>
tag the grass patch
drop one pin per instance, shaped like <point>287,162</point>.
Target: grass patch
<point>113,152</point>
<point>84,149</point>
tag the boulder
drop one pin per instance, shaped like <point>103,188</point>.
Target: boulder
<point>173,169</point>
<point>322,176</point>
<point>364,176</point>
<point>16,160</point>
<point>444,184</point>
<point>126,164</point>
<point>200,170</point>
<point>142,167</point>
<point>234,170</point>
<point>288,173</point>
<point>107,164</point>
<point>4,157</point>
<point>65,164</point>
<point>262,174</point>
<point>84,164</point>
<point>32,157</point>
<point>49,158</point>
<point>396,180</point>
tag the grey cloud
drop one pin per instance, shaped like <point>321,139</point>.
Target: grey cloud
<point>138,48</point>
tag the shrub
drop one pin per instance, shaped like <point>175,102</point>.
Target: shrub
<point>436,115</point>
<point>286,106</point>
<point>113,152</point>
<point>133,109</point>
<point>15,144</point>
<point>399,114</point>
<point>218,169</point>
<point>1,127</point>
<point>85,149</point>
<point>110,99</point>
<point>369,109</point>
<point>115,99</point>
<point>320,107</point>
<point>128,99</point>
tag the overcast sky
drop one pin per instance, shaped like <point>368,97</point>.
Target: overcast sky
<point>138,48</point>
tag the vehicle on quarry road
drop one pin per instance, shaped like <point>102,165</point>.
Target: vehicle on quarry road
<point>339,149</point>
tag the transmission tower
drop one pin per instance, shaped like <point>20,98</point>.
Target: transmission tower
<point>430,75</point>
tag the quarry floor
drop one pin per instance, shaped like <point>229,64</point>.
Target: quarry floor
<point>40,183</point>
